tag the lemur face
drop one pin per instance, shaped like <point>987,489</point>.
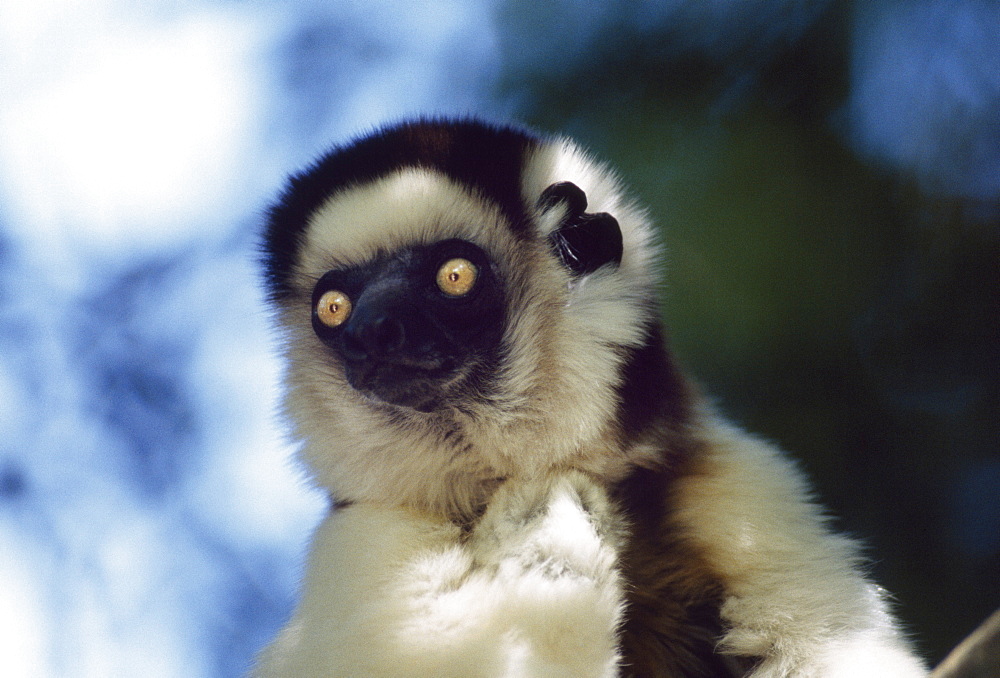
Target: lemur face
<point>461,302</point>
<point>421,249</point>
<point>416,328</point>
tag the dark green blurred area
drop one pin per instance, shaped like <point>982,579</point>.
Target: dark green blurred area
<point>829,306</point>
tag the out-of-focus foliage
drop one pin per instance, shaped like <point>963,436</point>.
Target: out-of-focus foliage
<point>849,312</point>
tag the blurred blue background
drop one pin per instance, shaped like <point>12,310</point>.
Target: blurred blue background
<point>826,174</point>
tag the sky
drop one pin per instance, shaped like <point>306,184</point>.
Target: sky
<point>151,520</point>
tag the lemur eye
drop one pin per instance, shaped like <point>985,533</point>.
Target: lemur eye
<point>456,277</point>
<point>333,308</point>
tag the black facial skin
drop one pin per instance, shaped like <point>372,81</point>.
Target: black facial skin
<point>406,342</point>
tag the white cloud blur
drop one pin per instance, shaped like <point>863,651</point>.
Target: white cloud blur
<point>121,130</point>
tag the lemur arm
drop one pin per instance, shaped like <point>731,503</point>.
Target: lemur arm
<point>795,592</point>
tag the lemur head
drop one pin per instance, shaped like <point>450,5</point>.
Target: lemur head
<point>461,303</point>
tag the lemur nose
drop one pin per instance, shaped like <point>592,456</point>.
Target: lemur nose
<point>373,337</point>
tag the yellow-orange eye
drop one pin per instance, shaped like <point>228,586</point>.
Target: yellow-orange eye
<point>333,308</point>
<point>456,277</point>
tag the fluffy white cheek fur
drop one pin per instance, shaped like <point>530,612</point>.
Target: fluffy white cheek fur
<point>533,592</point>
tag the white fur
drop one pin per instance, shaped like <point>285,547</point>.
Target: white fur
<point>533,592</point>
<point>409,206</point>
<point>794,593</point>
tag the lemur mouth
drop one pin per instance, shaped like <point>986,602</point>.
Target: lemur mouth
<point>421,385</point>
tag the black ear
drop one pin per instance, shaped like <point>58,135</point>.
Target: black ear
<point>564,192</point>
<point>587,245</point>
<point>584,241</point>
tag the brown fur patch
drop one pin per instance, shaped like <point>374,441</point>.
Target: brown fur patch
<point>672,620</point>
